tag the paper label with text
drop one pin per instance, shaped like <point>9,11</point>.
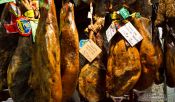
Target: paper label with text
<point>111,31</point>
<point>90,50</point>
<point>130,33</point>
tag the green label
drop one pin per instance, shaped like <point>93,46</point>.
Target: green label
<point>124,13</point>
<point>5,1</point>
<point>138,15</point>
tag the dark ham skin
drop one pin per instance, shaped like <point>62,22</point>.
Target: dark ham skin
<point>69,51</point>
<point>8,44</point>
<point>19,71</point>
<point>160,57</point>
<point>147,55</point>
<point>170,60</point>
<point>46,73</point>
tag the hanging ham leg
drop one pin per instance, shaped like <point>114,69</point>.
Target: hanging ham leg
<point>92,75</point>
<point>69,51</point>
<point>8,44</point>
<point>147,55</point>
<point>7,47</point>
<point>123,67</point>
<point>46,74</point>
<point>19,70</point>
<point>159,54</point>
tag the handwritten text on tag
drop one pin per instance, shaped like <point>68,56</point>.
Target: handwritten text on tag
<point>90,50</point>
<point>130,33</point>
<point>111,31</point>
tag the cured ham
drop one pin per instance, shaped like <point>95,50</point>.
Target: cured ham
<point>69,51</point>
<point>45,78</point>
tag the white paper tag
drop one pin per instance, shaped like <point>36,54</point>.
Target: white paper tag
<point>90,50</point>
<point>111,31</point>
<point>130,33</point>
<point>34,27</point>
<point>90,15</point>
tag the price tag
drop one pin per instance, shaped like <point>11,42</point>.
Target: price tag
<point>124,13</point>
<point>90,50</point>
<point>130,33</point>
<point>111,31</point>
<point>5,1</point>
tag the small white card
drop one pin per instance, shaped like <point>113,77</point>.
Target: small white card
<point>130,33</point>
<point>90,50</point>
<point>111,31</point>
<point>90,15</point>
<point>34,25</point>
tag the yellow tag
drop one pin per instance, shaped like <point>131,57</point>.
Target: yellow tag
<point>90,50</point>
<point>29,13</point>
<point>114,15</point>
<point>20,26</point>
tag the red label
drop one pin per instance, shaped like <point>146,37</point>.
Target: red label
<point>11,28</point>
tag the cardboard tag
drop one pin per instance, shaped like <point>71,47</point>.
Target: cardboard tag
<point>130,33</point>
<point>124,13</point>
<point>5,1</point>
<point>34,25</point>
<point>111,31</point>
<point>90,50</point>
